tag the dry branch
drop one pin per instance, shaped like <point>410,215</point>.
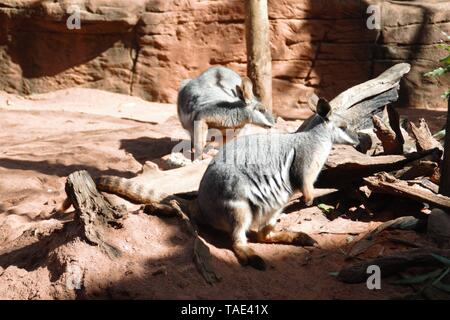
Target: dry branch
<point>429,185</point>
<point>394,123</point>
<point>358,104</point>
<point>403,223</point>
<point>386,183</point>
<point>93,211</point>
<point>418,168</point>
<point>391,143</point>
<point>423,136</point>
<point>346,165</point>
<point>392,264</point>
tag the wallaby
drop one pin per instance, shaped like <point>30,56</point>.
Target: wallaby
<point>218,98</point>
<point>252,178</point>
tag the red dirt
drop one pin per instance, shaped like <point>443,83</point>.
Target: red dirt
<point>38,258</point>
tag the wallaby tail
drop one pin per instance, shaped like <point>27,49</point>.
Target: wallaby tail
<point>138,192</point>
<point>126,188</point>
<point>189,207</point>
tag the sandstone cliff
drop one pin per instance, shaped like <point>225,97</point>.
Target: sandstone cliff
<point>146,47</point>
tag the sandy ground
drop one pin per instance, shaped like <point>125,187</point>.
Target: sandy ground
<point>45,139</point>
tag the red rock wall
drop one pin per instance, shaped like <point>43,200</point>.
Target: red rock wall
<point>147,47</point>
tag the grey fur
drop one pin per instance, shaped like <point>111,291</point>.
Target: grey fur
<point>256,175</point>
<point>214,95</point>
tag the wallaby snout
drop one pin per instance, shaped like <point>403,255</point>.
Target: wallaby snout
<point>342,136</point>
<point>260,114</point>
<point>262,117</point>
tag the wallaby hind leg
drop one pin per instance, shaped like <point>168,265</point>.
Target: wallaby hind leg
<point>308,193</point>
<point>245,254</point>
<point>268,235</point>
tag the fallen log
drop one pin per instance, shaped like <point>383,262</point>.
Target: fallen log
<point>390,265</point>
<point>358,104</point>
<point>387,80</point>
<point>359,116</point>
<point>385,183</point>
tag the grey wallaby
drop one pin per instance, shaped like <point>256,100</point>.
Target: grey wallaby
<point>252,178</point>
<point>218,98</point>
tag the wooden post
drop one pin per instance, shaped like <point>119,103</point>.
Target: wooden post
<point>444,187</point>
<point>259,58</point>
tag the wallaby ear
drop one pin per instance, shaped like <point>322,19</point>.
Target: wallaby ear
<point>245,91</point>
<point>323,108</point>
<point>313,100</point>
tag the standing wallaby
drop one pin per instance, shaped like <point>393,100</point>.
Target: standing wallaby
<point>218,98</point>
<point>252,178</point>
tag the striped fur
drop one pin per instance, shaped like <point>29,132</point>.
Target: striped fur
<point>252,178</point>
<point>128,189</point>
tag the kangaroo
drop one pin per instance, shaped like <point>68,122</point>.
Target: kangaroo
<point>218,98</point>
<point>252,178</point>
